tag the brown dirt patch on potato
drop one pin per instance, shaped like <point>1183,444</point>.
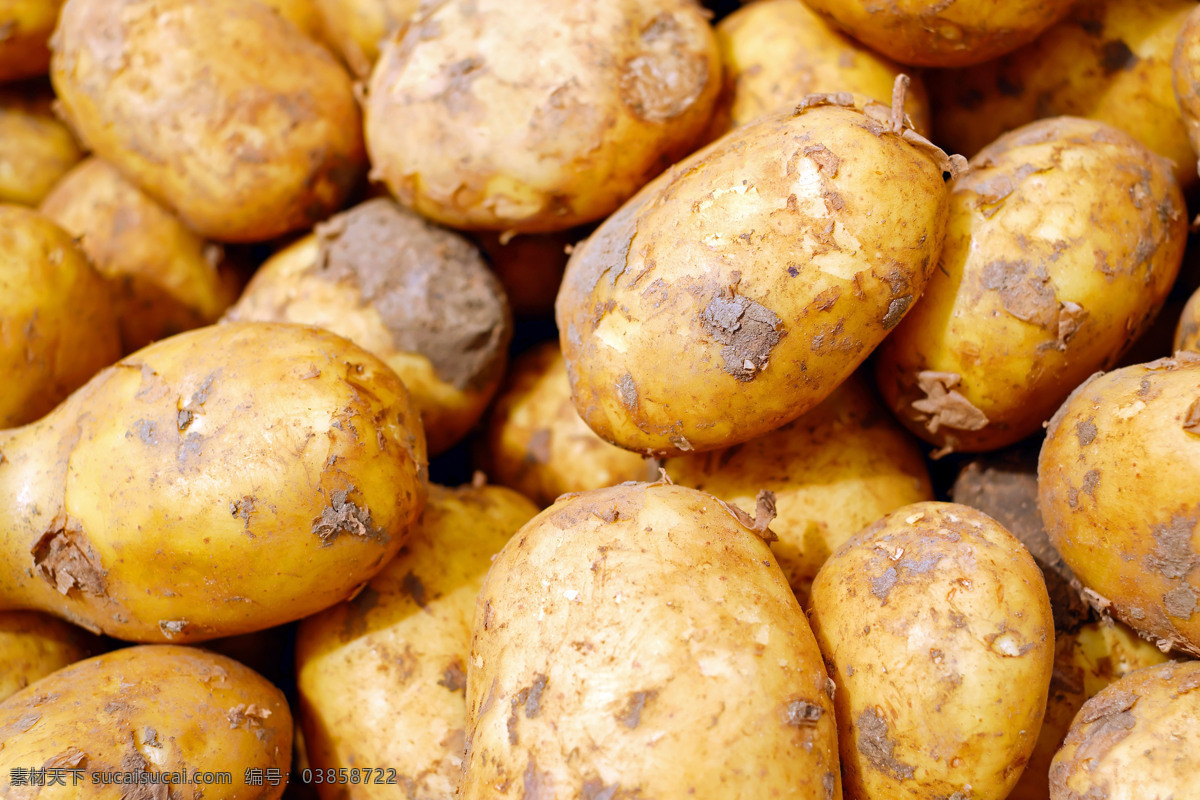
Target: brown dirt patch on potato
<point>65,558</point>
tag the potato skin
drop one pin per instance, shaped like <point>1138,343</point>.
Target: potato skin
<point>221,481</point>
<point>153,709</point>
<point>1187,336</point>
<point>25,28</point>
<point>32,645</point>
<point>358,27</point>
<point>927,620</point>
<point>529,267</point>
<point>617,626</point>
<point>1116,489</point>
<point>221,110</point>
<point>1064,240</point>
<point>36,149</point>
<point>736,291</point>
<point>834,471</point>
<point>57,327</point>
<point>382,678</point>
<point>571,133</point>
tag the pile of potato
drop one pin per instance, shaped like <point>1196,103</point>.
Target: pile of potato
<point>626,400</point>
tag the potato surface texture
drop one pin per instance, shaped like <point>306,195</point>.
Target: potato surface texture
<point>25,28</point>
<point>383,677</point>
<point>1063,242</point>
<point>618,91</point>
<point>36,149</point>
<point>928,620</point>
<point>221,481</point>
<point>1185,75</point>
<point>1187,337</point>
<point>639,641</point>
<point>1116,488</point>
<point>357,28</point>
<point>32,645</point>
<point>222,110</point>
<point>152,709</point>
<point>736,291</point>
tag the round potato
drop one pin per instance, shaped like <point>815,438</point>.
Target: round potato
<point>618,91</point>
<point>36,149</point>
<point>221,481</point>
<point>833,471</point>
<point>57,327</point>
<point>537,443</point>
<point>358,27</point>
<point>640,640</point>
<point>1117,481</point>
<point>417,296</point>
<point>152,721</point>
<point>382,678</point>
<point>928,619</point>
<point>25,28</point>
<point>736,291</point>
<point>221,110</point>
<point>33,645</point>
<point>1187,336</point>
<point>1064,240</point>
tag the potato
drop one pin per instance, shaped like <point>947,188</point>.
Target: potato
<point>221,481</point>
<point>1063,242</point>
<point>1187,337</point>
<point>618,91</point>
<point>56,320</point>
<point>537,443</point>
<point>417,296</point>
<point>33,645</point>
<point>357,27</point>
<point>834,471</point>
<point>737,290</point>
<point>943,34</point>
<point>928,619</point>
<point>126,723</point>
<point>640,641</point>
<point>222,110</point>
<point>777,51</point>
<point>1136,740</point>
<point>35,148</point>
<point>1185,75</point>
<point>1116,489</point>
<point>1108,60</point>
<point>382,678</point>
<point>304,14</point>
<point>530,267</point>
<point>25,28</point>
<point>164,278</point>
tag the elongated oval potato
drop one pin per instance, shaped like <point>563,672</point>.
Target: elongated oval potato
<point>1187,336</point>
<point>357,28</point>
<point>1108,60</point>
<point>417,296</point>
<point>1064,240</point>
<point>221,110</point>
<point>36,149</point>
<point>928,619</point>
<point>1136,740</point>
<point>834,471</point>
<point>1117,481</point>
<point>164,278</point>
<point>618,91</point>
<point>221,481</point>
<point>177,715</point>
<point>25,28</point>
<point>32,645</point>
<point>382,678</point>
<point>57,327</point>
<point>640,641</point>
<point>736,291</point>
<point>538,444</point>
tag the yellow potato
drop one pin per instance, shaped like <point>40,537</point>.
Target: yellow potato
<point>25,28</point>
<point>537,443</point>
<point>304,14</point>
<point>834,471</point>
<point>382,678</point>
<point>640,640</point>
<point>147,722</point>
<point>221,481</point>
<point>57,327</point>
<point>36,149</point>
<point>358,27</point>
<point>33,645</point>
<point>617,91</point>
<point>1187,337</point>
<point>221,110</point>
<point>937,629</point>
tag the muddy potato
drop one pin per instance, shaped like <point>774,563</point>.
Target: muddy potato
<point>1108,60</point>
<point>32,645</point>
<point>358,27</point>
<point>221,481</point>
<point>161,711</point>
<point>36,149</point>
<point>927,620</point>
<point>1063,242</point>
<point>1187,337</point>
<point>382,678</point>
<point>619,91</point>
<point>1116,489</point>
<point>640,640</point>
<point>221,110</point>
<point>737,290</point>
<point>57,326</point>
<point>25,28</point>
<point>538,444</point>
<point>834,471</point>
<point>417,296</point>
